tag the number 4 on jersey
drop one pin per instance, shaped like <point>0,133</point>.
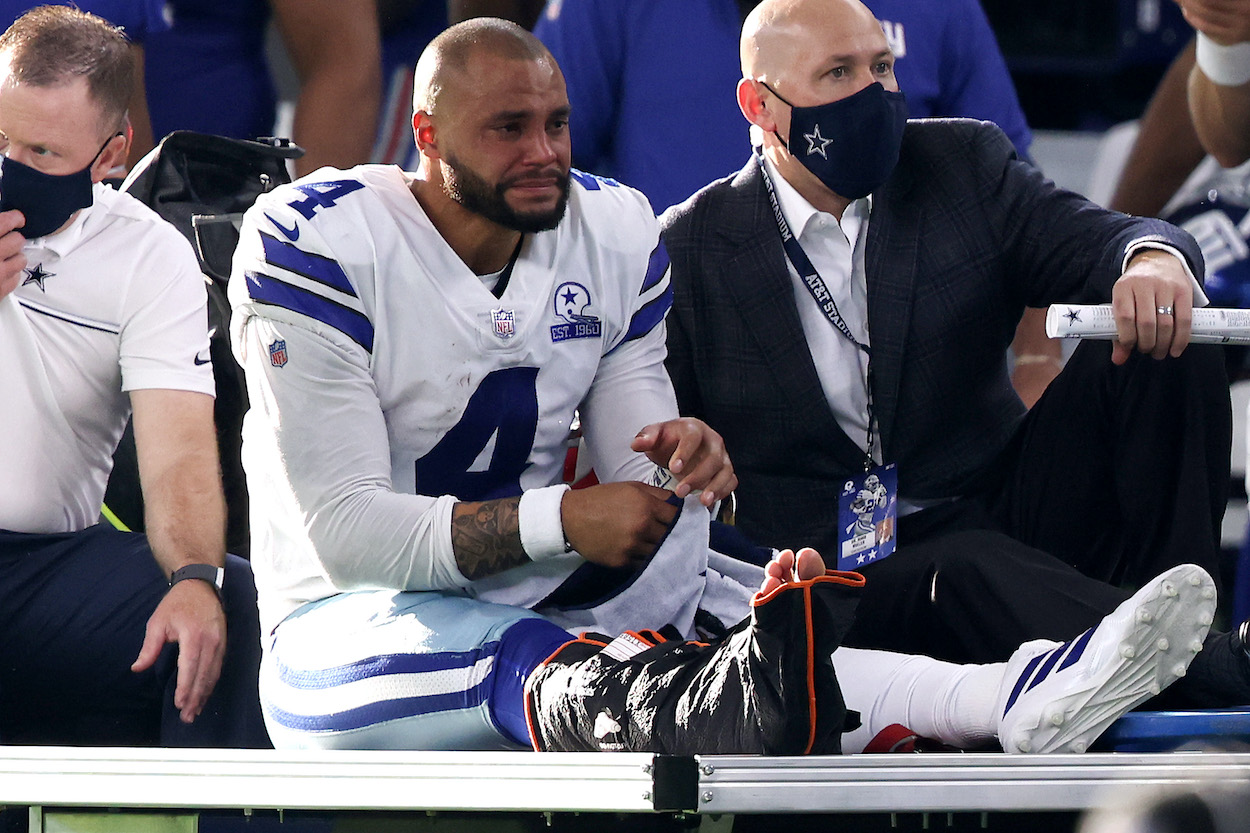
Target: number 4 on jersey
<point>322,195</point>
<point>503,409</point>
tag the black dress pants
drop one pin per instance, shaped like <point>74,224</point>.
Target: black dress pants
<point>1116,474</point>
<point>73,612</point>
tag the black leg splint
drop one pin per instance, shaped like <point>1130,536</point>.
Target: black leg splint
<point>767,688</point>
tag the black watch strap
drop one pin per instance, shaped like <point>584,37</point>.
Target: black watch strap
<point>205,572</point>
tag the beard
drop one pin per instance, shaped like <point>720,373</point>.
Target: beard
<point>464,186</point>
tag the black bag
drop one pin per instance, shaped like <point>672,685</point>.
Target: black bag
<point>203,184</point>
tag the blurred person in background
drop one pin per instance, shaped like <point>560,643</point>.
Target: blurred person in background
<point>1219,85</point>
<point>210,73</point>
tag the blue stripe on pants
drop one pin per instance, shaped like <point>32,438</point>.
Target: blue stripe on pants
<point>402,670</point>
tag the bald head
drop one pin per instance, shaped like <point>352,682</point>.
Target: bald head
<point>799,56</point>
<point>442,70</point>
<point>778,33</point>
<point>490,121</point>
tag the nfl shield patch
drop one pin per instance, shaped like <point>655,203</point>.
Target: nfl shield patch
<point>277,353</point>
<point>504,322</point>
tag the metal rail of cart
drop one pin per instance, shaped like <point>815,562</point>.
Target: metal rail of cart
<point>94,784</point>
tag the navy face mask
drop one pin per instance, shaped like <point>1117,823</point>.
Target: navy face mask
<point>45,200</point>
<point>851,145</point>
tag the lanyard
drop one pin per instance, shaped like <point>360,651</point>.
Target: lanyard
<point>816,287</point>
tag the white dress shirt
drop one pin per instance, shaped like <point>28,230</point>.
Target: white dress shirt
<point>836,249</point>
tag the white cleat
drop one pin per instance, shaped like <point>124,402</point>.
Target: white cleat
<point>1061,697</point>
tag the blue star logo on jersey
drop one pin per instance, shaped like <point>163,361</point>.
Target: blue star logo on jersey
<point>37,276</point>
<point>817,143</point>
<point>1073,315</point>
<point>572,306</point>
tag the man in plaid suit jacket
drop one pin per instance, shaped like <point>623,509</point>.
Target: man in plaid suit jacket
<point>1120,470</point>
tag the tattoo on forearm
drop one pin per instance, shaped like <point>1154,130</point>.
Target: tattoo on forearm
<point>486,537</point>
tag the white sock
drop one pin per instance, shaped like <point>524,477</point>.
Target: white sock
<point>954,704</point>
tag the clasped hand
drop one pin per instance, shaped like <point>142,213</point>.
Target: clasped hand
<point>621,524</point>
<point>1153,303</point>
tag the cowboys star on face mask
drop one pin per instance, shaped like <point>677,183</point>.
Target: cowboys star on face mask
<point>47,201</point>
<point>851,145</point>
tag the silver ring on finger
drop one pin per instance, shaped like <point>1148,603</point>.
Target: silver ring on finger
<point>1164,310</point>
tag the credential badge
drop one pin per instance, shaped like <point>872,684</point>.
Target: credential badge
<point>277,353</point>
<point>504,322</point>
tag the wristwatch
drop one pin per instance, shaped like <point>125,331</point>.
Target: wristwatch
<point>205,572</point>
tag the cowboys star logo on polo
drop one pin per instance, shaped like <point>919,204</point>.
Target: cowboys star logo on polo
<point>37,276</point>
<point>817,143</point>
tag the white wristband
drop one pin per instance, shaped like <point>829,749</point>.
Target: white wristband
<point>538,516</point>
<point>1228,66</point>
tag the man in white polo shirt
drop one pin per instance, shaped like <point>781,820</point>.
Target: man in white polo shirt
<point>102,310</point>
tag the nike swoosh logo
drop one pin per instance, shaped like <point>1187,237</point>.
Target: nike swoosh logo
<point>291,233</point>
<point>198,361</point>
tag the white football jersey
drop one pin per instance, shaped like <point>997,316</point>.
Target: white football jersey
<point>387,381</point>
<point>113,303</point>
